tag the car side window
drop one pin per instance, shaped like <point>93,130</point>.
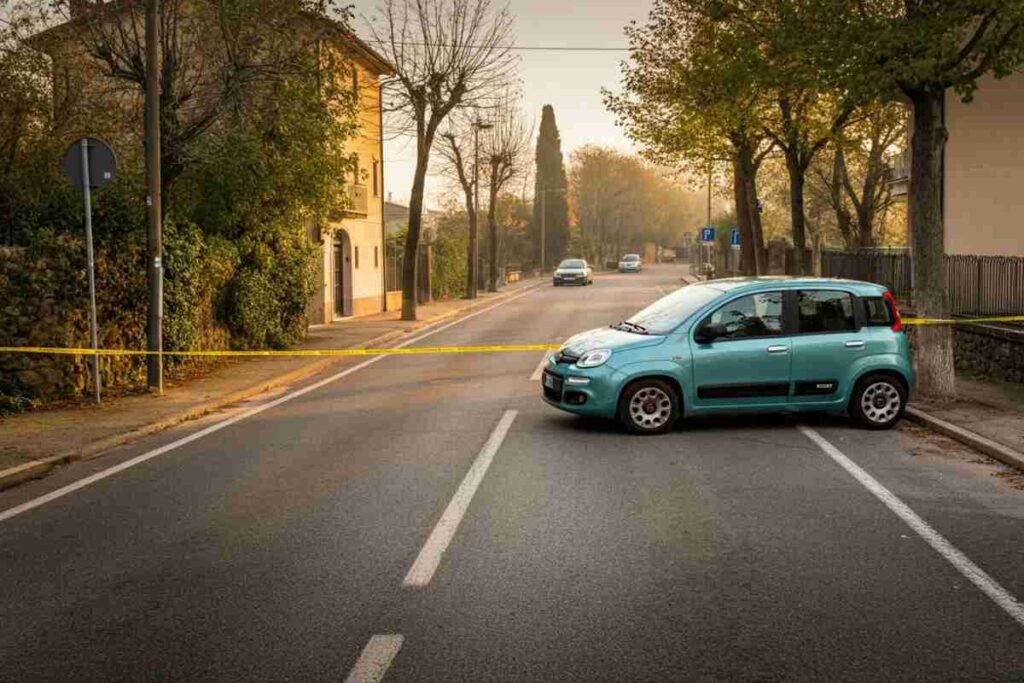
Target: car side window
<point>822,311</point>
<point>877,313</point>
<point>749,317</point>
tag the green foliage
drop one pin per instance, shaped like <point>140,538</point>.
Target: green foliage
<point>238,259</point>
<point>448,279</point>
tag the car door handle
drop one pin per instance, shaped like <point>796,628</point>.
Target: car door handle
<point>778,349</point>
<point>856,344</point>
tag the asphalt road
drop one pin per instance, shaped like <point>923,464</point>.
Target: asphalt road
<point>429,518</point>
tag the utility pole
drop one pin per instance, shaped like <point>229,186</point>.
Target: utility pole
<point>154,249</point>
<point>543,226</point>
<point>474,265</point>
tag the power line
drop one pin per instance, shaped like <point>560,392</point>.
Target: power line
<point>517,48</point>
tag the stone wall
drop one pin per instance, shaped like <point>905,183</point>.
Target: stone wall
<point>44,303</point>
<point>988,350</point>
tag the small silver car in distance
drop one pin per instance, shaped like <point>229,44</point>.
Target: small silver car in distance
<point>573,271</point>
<point>630,263</point>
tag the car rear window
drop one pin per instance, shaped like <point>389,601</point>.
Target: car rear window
<point>877,312</point>
<point>824,310</point>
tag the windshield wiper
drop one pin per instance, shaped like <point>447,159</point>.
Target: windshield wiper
<point>627,326</point>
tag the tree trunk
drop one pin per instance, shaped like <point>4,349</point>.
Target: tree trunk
<point>412,238</point>
<point>748,265</point>
<point>750,176</point>
<point>934,343</point>
<point>492,246</point>
<point>796,204</point>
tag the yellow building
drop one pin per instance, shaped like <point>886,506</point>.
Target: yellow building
<point>352,263</point>
<point>982,169</point>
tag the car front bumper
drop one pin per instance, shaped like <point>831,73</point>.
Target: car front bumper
<point>569,279</point>
<point>562,387</point>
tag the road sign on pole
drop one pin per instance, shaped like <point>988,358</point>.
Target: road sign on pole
<point>734,238</point>
<point>90,163</point>
<point>707,235</point>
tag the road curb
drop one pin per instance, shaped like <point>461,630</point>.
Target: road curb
<point>38,468</point>
<point>994,449</point>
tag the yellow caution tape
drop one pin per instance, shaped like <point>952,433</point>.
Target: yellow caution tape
<point>403,351</point>
<point>962,321</point>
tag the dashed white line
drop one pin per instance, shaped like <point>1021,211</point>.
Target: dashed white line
<point>375,658</point>
<point>535,377</point>
<point>972,572</point>
<point>430,555</point>
<point>149,455</point>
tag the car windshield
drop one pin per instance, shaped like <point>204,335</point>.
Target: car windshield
<point>573,263</point>
<point>666,314</point>
<point>631,257</point>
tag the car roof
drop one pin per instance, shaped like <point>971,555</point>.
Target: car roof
<point>741,284</point>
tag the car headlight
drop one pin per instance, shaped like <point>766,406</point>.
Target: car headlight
<point>592,359</point>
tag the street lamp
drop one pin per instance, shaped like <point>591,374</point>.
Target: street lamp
<point>478,126</point>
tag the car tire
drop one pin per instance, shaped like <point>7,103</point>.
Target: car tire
<point>878,402</point>
<point>649,407</point>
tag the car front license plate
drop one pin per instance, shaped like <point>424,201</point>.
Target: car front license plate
<point>549,381</point>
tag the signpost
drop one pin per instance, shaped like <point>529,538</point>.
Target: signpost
<point>734,238</point>
<point>707,239</point>
<point>89,163</point>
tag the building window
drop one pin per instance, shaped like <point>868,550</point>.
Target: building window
<point>355,83</point>
<point>355,169</point>
<point>376,176</point>
<point>357,257</point>
<point>376,261</point>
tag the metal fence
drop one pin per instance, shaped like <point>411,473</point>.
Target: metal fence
<point>394,255</point>
<point>977,285</point>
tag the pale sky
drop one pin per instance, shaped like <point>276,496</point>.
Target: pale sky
<point>569,81</point>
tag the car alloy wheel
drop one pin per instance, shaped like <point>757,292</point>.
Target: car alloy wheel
<point>879,402</point>
<point>649,407</point>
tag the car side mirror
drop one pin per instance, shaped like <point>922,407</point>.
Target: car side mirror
<point>709,333</point>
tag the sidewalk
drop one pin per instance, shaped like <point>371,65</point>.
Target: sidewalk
<point>34,442</point>
<point>988,415</point>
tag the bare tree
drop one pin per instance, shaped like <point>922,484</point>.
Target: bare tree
<point>446,54</point>
<point>216,56</point>
<point>459,164</point>
<point>508,155</point>
<point>855,182</point>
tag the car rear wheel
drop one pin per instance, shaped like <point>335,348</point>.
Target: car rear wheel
<point>649,406</point>
<point>878,402</point>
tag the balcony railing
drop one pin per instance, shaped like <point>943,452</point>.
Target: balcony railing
<point>358,200</point>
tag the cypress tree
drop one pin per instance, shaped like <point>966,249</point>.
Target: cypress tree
<point>550,181</point>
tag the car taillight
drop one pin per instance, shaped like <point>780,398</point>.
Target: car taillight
<point>897,322</point>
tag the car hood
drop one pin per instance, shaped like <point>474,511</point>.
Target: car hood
<point>608,338</point>
<point>570,271</point>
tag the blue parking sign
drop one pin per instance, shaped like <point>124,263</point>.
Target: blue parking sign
<point>734,238</point>
<point>707,235</point>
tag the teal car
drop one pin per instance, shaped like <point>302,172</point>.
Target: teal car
<point>741,345</point>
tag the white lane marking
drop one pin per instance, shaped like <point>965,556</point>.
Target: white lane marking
<point>972,572</point>
<point>430,556</point>
<point>540,368</point>
<point>375,659</point>
<point>149,455</point>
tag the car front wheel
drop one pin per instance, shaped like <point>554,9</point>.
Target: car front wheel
<point>878,402</point>
<point>649,406</point>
